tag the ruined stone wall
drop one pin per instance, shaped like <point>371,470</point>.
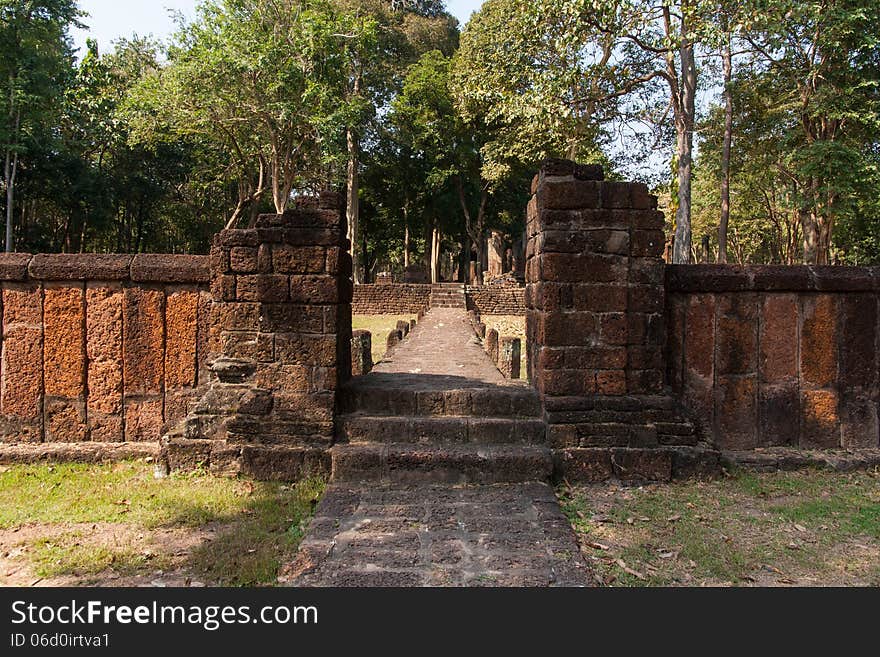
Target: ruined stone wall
<point>390,299</point>
<point>280,344</point>
<point>411,298</point>
<point>103,348</point>
<point>777,356</point>
<point>506,299</point>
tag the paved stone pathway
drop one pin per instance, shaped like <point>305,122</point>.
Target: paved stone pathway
<point>424,526</point>
<point>510,535</point>
<point>443,344</point>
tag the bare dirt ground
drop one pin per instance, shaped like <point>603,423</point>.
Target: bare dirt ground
<point>169,549</point>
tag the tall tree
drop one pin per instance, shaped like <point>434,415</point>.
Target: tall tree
<point>819,63</point>
<point>36,57</point>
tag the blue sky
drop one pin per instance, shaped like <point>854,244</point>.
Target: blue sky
<point>109,20</point>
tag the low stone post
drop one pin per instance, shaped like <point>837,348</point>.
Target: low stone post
<point>510,356</point>
<point>361,353</point>
<point>394,338</point>
<point>492,344</point>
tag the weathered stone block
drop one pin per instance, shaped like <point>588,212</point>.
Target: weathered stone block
<point>614,328</point>
<point>611,298</point>
<point>287,259</point>
<point>163,268</point>
<point>644,381</point>
<point>859,423</point>
<point>259,347</point>
<point>611,382</point>
<point>223,287</point>
<point>642,464</point>
<point>79,267</point>
<point>228,316</point>
<point>858,342</point>
<point>645,299</point>
<point>14,266</point>
<point>319,290</point>
<point>143,418</point>
<point>737,345</point>
<point>569,194</point>
<point>266,288</point>
<point>699,342</point>
<point>244,260</point>
<point>778,406</point>
<point>64,340</point>
<point>647,243</point>
<point>820,418</point>
<point>22,372</point>
<point>104,304</point>
<point>778,338</point>
<point>818,340</point>
<point>583,465</point>
<point>181,315</point>
<point>65,421</point>
<point>293,348</point>
<point>143,340</point>
<point>736,411</point>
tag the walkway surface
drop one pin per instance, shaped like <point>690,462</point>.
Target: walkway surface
<point>416,530</point>
<point>443,344</point>
<point>504,535</point>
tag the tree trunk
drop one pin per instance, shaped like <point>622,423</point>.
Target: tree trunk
<point>405,239</point>
<point>684,128</point>
<point>810,228</point>
<point>464,264</point>
<point>435,254</point>
<point>823,251</point>
<point>352,205</point>
<point>727,64</point>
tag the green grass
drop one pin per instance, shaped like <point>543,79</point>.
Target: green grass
<point>379,326</point>
<point>257,524</point>
<point>790,527</point>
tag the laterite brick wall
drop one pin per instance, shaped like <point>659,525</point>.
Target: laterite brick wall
<point>507,299</point>
<point>411,298</point>
<point>777,356</point>
<point>104,348</point>
<point>390,299</point>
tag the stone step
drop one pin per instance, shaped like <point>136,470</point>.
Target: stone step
<point>370,396</point>
<point>417,464</point>
<point>617,434</point>
<point>440,430</point>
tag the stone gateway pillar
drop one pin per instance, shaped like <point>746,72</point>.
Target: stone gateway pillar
<point>595,327</point>
<point>280,339</point>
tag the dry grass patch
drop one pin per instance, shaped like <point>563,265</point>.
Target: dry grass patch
<point>806,528</point>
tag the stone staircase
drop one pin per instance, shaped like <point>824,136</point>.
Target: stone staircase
<point>405,433</point>
<point>448,295</point>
